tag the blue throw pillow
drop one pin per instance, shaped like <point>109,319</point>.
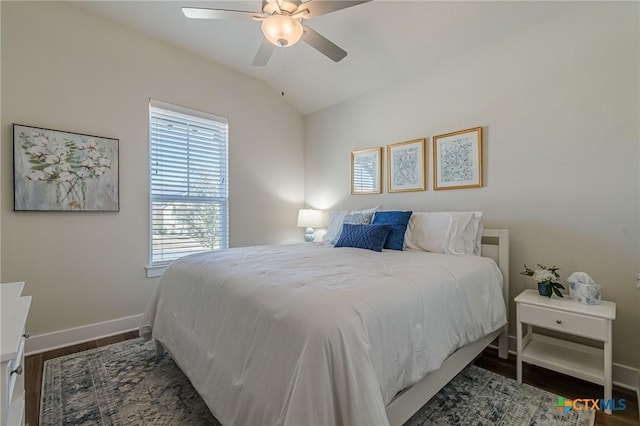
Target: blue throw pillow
<point>370,237</point>
<point>354,218</point>
<point>398,222</point>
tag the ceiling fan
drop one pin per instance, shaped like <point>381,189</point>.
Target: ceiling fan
<point>282,24</point>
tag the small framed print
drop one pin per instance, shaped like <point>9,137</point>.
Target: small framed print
<point>366,173</point>
<point>457,159</point>
<point>406,166</point>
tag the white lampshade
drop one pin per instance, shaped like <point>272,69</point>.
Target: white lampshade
<point>282,30</point>
<point>310,218</point>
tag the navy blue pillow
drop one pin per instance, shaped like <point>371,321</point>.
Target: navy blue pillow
<point>398,222</point>
<point>370,237</point>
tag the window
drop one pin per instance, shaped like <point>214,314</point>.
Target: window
<point>189,188</point>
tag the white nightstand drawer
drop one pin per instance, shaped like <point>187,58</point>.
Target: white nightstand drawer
<point>580,325</point>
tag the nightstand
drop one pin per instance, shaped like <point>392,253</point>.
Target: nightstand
<point>564,315</point>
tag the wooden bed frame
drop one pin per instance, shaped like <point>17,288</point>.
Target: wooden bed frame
<point>495,244</point>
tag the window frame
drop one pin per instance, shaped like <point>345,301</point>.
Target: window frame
<point>157,268</point>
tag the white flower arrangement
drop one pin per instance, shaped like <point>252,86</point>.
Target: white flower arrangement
<point>546,276</point>
<point>542,275</point>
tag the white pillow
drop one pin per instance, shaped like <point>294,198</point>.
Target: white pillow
<point>464,233</point>
<point>479,228</point>
<point>478,218</point>
<point>428,231</point>
<point>457,233</point>
<point>336,219</point>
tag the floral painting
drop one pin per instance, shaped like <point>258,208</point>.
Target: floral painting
<point>405,161</point>
<point>457,159</point>
<point>65,171</point>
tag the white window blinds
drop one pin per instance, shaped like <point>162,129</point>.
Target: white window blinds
<point>189,189</point>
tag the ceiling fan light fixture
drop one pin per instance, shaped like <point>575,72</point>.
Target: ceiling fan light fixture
<point>282,30</point>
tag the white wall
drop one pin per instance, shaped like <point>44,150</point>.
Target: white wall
<point>65,69</point>
<point>0,155</point>
<point>559,106</point>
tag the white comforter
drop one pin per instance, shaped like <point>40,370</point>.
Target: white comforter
<point>309,334</point>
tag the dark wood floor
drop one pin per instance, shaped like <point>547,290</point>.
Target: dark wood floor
<point>566,386</point>
<point>553,382</point>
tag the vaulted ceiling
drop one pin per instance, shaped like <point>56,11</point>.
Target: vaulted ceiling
<point>386,40</point>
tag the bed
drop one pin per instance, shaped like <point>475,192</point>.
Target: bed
<point>310,334</point>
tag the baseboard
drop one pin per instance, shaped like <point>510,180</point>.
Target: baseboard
<point>623,376</point>
<point>59,339</point>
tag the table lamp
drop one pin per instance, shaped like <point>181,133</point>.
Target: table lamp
<point>310,218</point>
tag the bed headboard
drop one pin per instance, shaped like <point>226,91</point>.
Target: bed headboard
<point>495,244</point>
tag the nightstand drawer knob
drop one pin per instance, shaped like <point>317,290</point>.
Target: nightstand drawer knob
<point>558,321</point>
<point>17,371</point>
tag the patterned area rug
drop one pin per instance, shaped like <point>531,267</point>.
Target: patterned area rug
<point>126,384</point>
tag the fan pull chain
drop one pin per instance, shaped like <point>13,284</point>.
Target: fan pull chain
<point>282,71</point>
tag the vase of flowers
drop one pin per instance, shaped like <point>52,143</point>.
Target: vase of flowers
<point>547,279</point>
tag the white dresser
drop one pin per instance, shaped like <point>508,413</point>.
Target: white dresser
<point>14,309</point>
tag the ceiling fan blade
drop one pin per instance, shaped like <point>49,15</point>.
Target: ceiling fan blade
<point>275,5</point>
<point>322,7</point>
<point>323,45</point>
<point>264,53</point>
<point>202,13</point>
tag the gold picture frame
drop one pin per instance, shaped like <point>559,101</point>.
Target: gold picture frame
<point>406,166</point>
<point>457,159</point>
<point>366,171</point>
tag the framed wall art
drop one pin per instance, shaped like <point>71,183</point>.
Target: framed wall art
<point>63,171</point>
<point>457,159</point>
<point>366,171</point>
<point>406,166</point>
